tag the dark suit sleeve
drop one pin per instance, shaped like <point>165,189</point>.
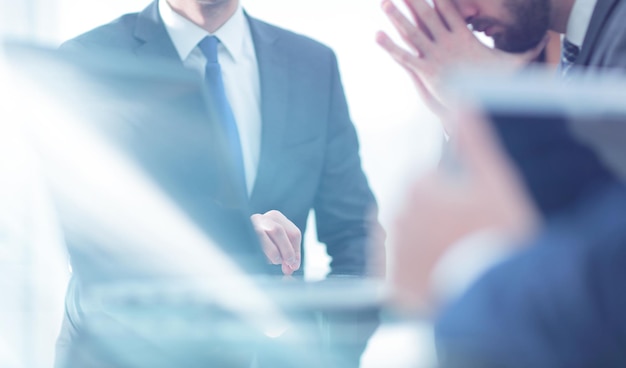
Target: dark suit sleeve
<point>605,42</point>
<point>611,49</point>
<point>559,304</point>
<point>345,207</point>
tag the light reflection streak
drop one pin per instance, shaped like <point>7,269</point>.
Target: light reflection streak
<point>103,193</point>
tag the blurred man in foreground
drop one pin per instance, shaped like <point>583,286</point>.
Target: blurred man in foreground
<point>554,299</point>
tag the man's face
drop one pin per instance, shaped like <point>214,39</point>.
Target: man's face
<point>514,25</point>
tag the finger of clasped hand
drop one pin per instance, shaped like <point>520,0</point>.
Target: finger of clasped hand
<point>432,38</point>
<point>430,27</point>
<point>437,40</point>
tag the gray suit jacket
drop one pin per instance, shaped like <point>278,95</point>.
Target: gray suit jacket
<point>604,49</point>
<point>309,147</point>
<point>605,42</point>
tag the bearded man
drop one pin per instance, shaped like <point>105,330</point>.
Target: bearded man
<point>540,308</point>
<point>439,38</point>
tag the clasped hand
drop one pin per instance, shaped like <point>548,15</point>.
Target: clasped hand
<point>438,38</point>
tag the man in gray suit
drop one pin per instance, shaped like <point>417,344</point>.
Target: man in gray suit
<point>594,36</point>
<point>296,145</point>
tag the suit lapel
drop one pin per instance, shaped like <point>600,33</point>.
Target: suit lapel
<point>600,15</point>
<point>274,79</point>
<point>151,30</point>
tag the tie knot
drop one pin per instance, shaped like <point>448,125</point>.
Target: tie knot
<point>570,51</point>
<point>208,46</point>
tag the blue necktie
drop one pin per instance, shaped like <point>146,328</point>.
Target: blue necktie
<point>569,53</point>
<point>223,111</point>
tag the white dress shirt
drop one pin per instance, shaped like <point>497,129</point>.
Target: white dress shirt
<point>240,72</point>
<point>579,20</point>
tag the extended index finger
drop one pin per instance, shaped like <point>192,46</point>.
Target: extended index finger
<point>293,234</point>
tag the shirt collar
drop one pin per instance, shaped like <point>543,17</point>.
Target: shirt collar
<point>579,20</point>
<point>186,35</point>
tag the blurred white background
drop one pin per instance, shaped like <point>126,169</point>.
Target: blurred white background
<point>399,137</point>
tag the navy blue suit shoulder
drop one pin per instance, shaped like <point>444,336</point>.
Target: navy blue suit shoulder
<point>117,34</point>
<point>305,55</point>
<point>290,37</point>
